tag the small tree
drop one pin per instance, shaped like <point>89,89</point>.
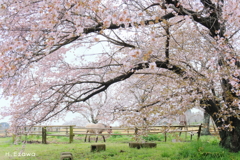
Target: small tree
<point>93,109</point>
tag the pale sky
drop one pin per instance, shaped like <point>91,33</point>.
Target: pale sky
<point>69,116</point>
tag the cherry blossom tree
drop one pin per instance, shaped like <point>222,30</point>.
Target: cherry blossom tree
<point>191,47</point>
<point>94,110</point>
<point>140,99</point>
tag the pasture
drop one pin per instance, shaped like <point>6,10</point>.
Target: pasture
<point>176,148</point>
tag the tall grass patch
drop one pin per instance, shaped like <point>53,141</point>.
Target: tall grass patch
<point>204,150</point>
<point>154,137</point>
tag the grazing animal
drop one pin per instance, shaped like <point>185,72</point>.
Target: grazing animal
<point>183,122</point>
<point>95,130</point>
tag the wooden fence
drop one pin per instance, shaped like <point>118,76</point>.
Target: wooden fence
<point>72,130</point>
<point>4,133</point>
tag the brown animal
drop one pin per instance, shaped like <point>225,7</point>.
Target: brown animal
<point>97,129</point>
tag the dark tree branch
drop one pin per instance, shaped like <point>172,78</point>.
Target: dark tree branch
<point>97,28</point>
<point>122,109</point>
<point>152,5</point>
<point>104,85</point>
<point>208,4</point>
<point>167,43</point>
<point>170,67</point>
<point>211,22</point>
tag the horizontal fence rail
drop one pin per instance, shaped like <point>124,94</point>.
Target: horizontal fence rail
<point>72,130</point>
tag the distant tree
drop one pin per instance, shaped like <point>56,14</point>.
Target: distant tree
<point>93,110</point>
<point>137,99</point>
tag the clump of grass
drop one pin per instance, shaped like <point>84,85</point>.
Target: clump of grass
<point>121,138</point>
<point>116,136</point>
<point>153,137</point>
<point>203,150</point>
<point>166,154</point>
<point>186,152</point>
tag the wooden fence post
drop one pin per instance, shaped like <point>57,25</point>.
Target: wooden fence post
<point>66,131</point>
<point>191,135</point>
<point>13,138</point>
<point>165,135</point>
<point>25,132</point>
<point>44,135</point>
<point>136,131</point>
<point>6,132</point>
<point>71,134</point>
<point>199,131</point>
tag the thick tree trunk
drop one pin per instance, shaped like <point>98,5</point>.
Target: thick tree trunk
<point>230,138</point>
<point>206,121</point>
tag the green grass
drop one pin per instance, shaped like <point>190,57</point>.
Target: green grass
<point>117,148</point>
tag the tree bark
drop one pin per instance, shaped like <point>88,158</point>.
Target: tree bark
<point>230,138</point>
<point>206,121</point>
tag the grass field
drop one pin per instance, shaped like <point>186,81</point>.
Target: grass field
<point>117,148</point>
